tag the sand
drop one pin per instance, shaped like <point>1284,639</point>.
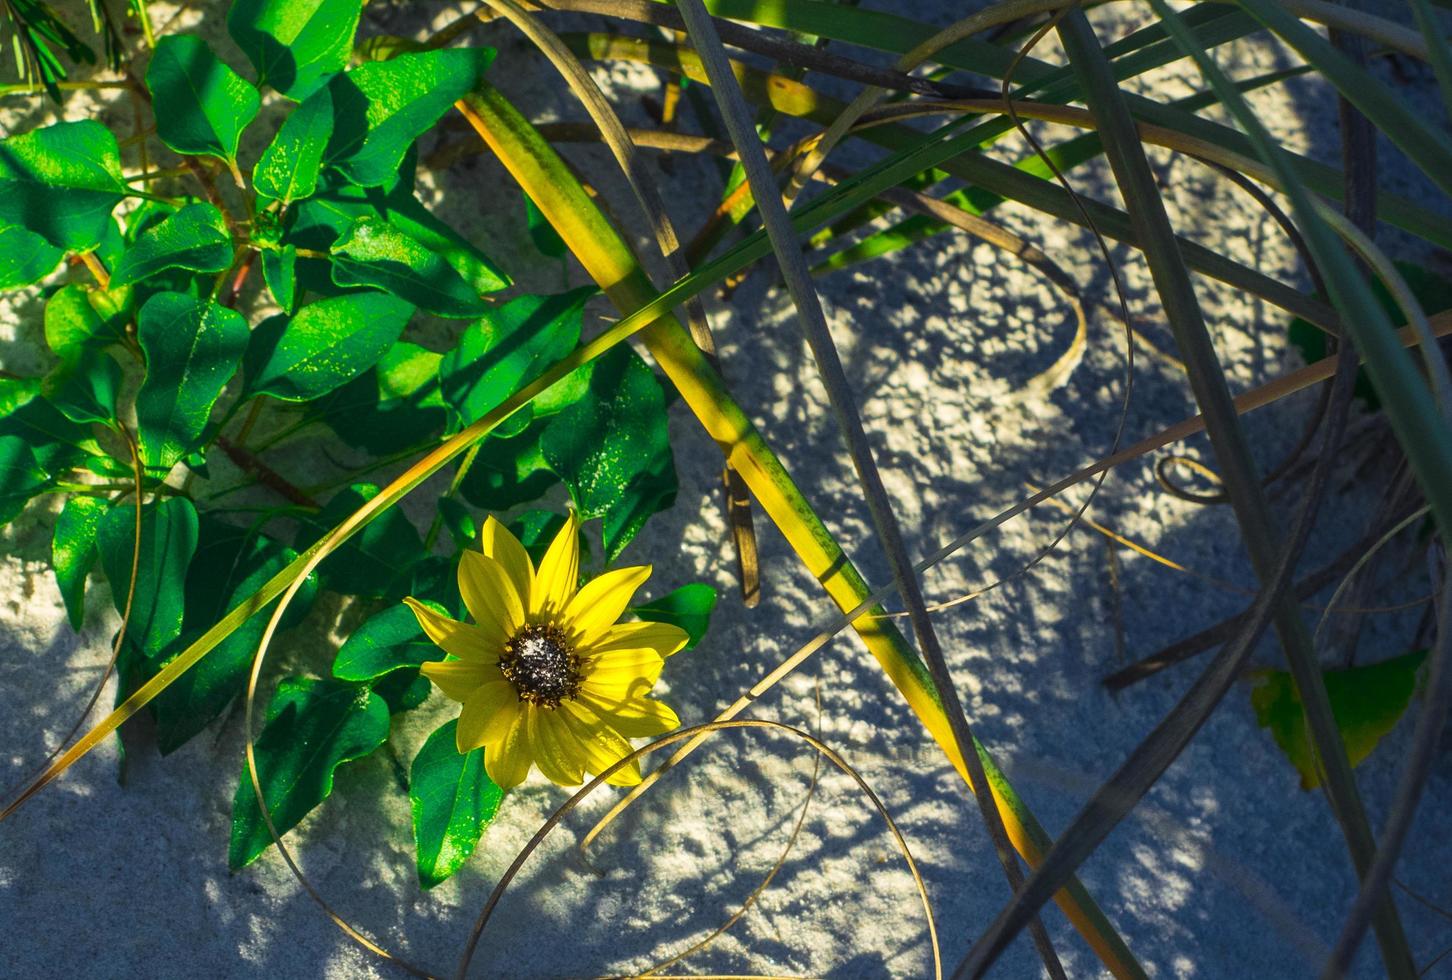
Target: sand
<point>1227,869</point>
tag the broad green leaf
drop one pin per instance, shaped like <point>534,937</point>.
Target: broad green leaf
<point>380,108</point>
<point>73,551</point>
<point>79,317</point>
<point>61,183</point>
<point>506,348</point>
<point>374,253</point>
<point>192,350</point>
<point>403,690</point>
<point>1367,702</point>
<point>15,392</point>
<point>168,541</point>
<point>279,271</point>
<point>57,443</point>
<point>202,105</point>
<point>611,448</point>
<point>295,45</point>
<point>231,563</point>
<point>21,477</point>
<point>508,471</point>
<point>453,801</point>
<point>25,257</point>
<point>390,407</point>
<point>536,530</point>
<point>371,561</point>
<point>288,169</point>
<point>195,239</point>
<point>688,607</point>
<point>312,728</point>
<point>83,386</point>
<point>326,344</point>
<point>387,641</point>
<point>316,223</point>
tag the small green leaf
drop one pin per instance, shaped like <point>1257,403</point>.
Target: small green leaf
<point>195,238</point>
<point>25,257</point>
<point>203,105</point>
<point>393,405</point>
<point>84,386</point>
<point>453,801</point>
<point>312,728</point>
<point>279,271</point>
<point>57,443</point>
<point>288,169</point>
<point>508,471</point>
<point>506,348</point>
<point>612,450</point>
<point>168,541</point>
<point>688,607</point>
<point>73,551</point>
<point>231,563</point>
<point>374,559</point>
<point>459,519</point>
<point>403,690</point>
<point>79,317</point>
<point>380,108</point>
<point>374,253</point>
<point>387,641</point>
<point>21,477</point>
<point>61,183</point>
<point>326,344</point>
<point>541,232</point>
<point>1366,701</point>
<point>192,350</point>
<point>295,45</point>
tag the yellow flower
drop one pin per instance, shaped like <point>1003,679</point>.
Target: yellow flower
<point>545,674</point>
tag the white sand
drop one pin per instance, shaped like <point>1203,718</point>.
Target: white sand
<point>1226,870</point>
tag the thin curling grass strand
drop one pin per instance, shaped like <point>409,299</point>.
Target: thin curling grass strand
<point>694,732</point>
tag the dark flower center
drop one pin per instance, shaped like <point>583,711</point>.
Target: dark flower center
<point>541,666</point>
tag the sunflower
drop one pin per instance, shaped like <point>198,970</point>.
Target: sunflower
<point>545,674</point>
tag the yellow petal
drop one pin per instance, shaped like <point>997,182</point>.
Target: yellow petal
<point>558,575</point>
<point>596,607</point>
<point>507,762</point>
<point>601,746</point>
<point>556,750</point>
<point>499,543</point>
<point>622,684</point>
<point>480,711</point>
<point>633,717</point>
<point>460,678</point>
<point>477,643</point>
<point>663,638</point>
<point>489,593</point>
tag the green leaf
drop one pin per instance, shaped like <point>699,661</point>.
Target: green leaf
<point>380,108</point>
<point>459,519</point>
<point>195,239</point>
<point>79,317</point>
<point>403,690</point>
<point>192,350</point>
<point>453,801</point>
<point>25,257</point>
<point>374,253</point>
<point>541,233</point>
<point>83,386</point>
<point>21,477</point>
<point>536,529</point>
<point>506,348</point>
<point>61,183</point>
<point>203,105</point>
<point>312,728</point>
<point>612,449</point>
<point>316,223</point>
<point>168,541</point>
<point>688,607</point>
<point>390,407</point>
<point>326,344</point>
<point>371,561</point>
<point>1367,702</point>
<point>508,471</point>
<point>288,169</point>
<point>387,641</point>
<point>279,271</point>
<point>295,45</point>
<point>73,551</point>
<point>231,563</point>
<point>57,443</point>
